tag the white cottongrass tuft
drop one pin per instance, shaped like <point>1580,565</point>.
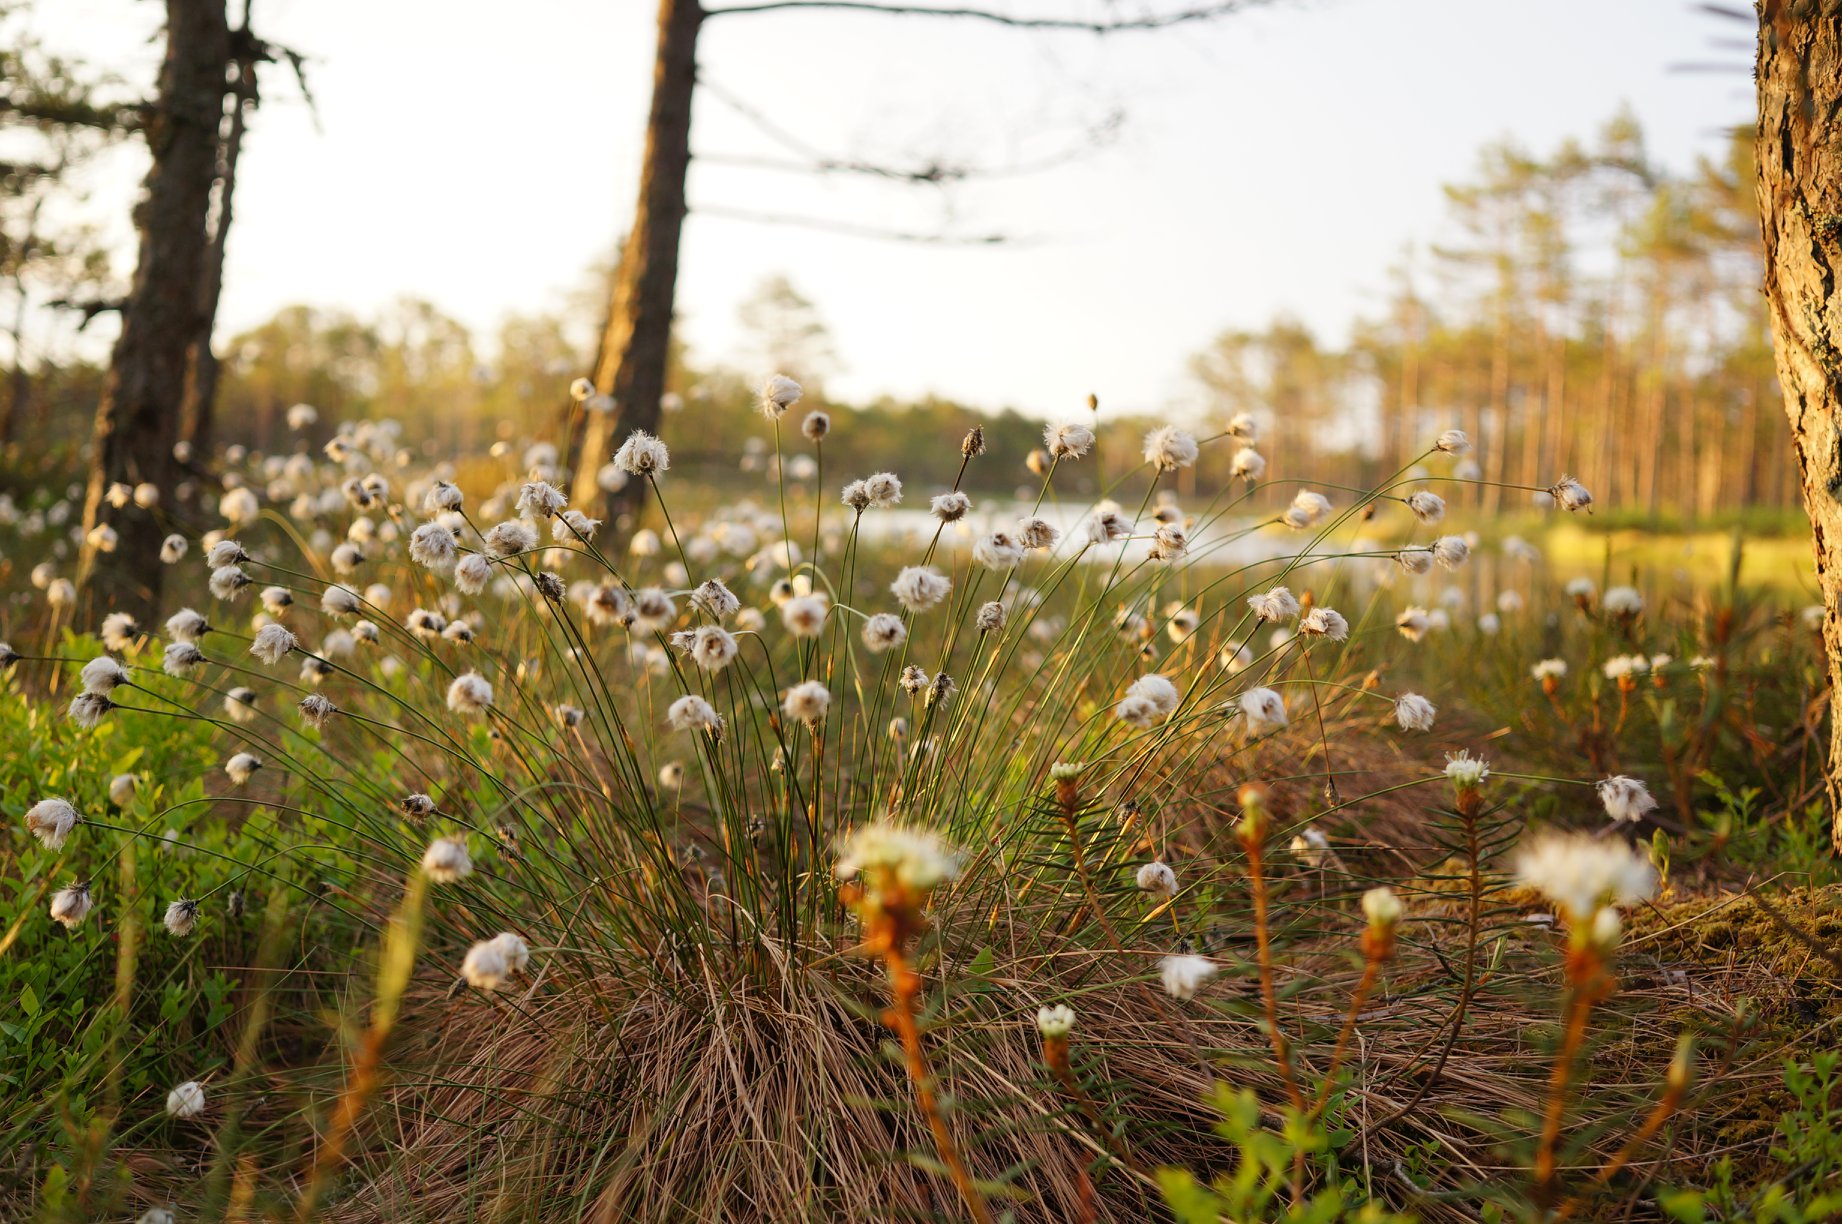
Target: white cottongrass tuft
<point>181,917</point>
<point>339,600</point>
<point>1623,601</point>
<point>1037,534</point>
<point>1068,441</point>
<point>1626,799</point>
<point>511,537</point>
<point>920,587</point>
<point>642,455</point>
<point>119,630</point>
<point>1429,508</point>
<point>716,599</point>
<point>713,647</point>
<point>490,962</point>
<point>1583,874</point>
<point>540,499</point>
<point>71,905</point>
<point>1325,622</point>
<point>1453,442</point>
<point>51,820</point>
<point>187,1100</point>
<point>693,713</point>
<point>804,615</point>
<point>469,694</point>
<point>242,767</point>
<point>1278,604</point>
<point>1413,712</point>
<point>1413,623</point>
<point>1570,494</point>
<point>950,507</point>
<point>1451,551</point>
<point>807,702</point>
<point>883,631</point>
<point>1183,976</point>
<point>432,546</point>
<point>472,573</point>
<point>1381,907</point>
<point>1168,448</point>
<point>1157,879</point>
<point>272,643</point>
<point>1263,708</point>
<point>1248,464</point>
<point>101,675</point>
<point>1307,510</point>
<point>778,393</point>
<point>884,489</point>
<point>998,551</point>
<point>446,860</point>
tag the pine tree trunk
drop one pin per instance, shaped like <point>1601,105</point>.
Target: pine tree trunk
<point>636,345</point>
<point>137,420</point>
<point>200,405</point>
<point>1798,150</point>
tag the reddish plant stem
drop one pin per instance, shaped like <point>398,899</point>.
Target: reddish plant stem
<point>905,983</point>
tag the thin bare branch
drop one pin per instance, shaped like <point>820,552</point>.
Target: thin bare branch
<point>856,231</point>
<point>1149,21</point>
<point>932,172</point>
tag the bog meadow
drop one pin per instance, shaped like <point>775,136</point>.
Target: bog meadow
<point>608,765</point>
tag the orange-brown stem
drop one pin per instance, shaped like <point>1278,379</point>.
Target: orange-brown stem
<point>1282,1051</point>
<point>905,984</point>
<point>1371,968</point>
<point>1470,804</point>
<point>1661,1113</point>
<point>1582,970</point>
<point>1055,1054</point>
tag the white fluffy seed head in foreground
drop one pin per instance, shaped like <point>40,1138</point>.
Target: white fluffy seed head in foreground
<point>642,455</point>
<point>51,820</point>
<point>1157,879</point>
<point>470,694</point>
<point>1626,800</point>
<point>1055,1022</point>
<point>1582,874</point>
<point>1413,712</point>
<point>920,587</point>
<point>485,966</point>
<point>778,393</point>
<point>446,860</point>
<point>1183,976</point>
<point>1381,907</point>
<point>1168,448</point>
<point>807,702</point>
<point>887,854</point>
<point>71,905</point>
<point>187,1100</point>
<point>1278,604</point>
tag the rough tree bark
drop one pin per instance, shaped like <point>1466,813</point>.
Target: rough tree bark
<point>200,404</point>
<point>1798,149</point>
<point>636,344</point>
<point>137,420</point>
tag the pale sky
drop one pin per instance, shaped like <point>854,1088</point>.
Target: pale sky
<point>481,153</point>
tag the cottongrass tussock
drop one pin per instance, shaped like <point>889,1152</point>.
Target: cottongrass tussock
<point>824,797</point>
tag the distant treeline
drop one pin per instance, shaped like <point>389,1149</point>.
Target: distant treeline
<point>1589,314</point>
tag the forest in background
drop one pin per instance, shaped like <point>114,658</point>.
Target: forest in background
<point>1583,311</point>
